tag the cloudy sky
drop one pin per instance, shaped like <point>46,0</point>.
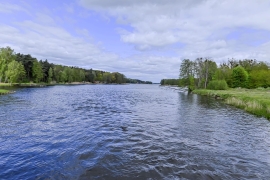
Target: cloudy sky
<point>145,39</point>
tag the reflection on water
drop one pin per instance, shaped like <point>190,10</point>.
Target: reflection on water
<point>128,131</point>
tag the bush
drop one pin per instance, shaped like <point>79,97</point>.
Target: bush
<point>217,85</point>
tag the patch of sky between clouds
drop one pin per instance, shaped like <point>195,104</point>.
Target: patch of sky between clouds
<point>249,36</point>
<point>13,15</point>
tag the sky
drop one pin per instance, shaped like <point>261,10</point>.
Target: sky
<point>143,39</point>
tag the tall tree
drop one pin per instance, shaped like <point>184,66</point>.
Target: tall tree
<point>187,72</point>
<point>50,75</point>
<point>15,71</point>
<point>7,55</point>
<point>27,61</point>
<point>82,75</point>
<point>209,70</point>
<point>239,77</point>
<point>37,71</point>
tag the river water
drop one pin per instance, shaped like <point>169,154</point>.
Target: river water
<point>128,132</point>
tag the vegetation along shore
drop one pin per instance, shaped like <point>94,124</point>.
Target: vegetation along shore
<point>4,91</point>
<point>22,69</point>
<point>242,83</point>
<point>255,101</point>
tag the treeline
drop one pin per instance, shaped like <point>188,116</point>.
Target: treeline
<point>21,68</point>
<point>174,82</point>
<point>137,81</point>
<point>204,73</point>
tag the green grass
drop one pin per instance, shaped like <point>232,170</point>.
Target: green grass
<point>23,84</point>
<point>5,84</point>
<point>255,101</point>
<point>3,91</point>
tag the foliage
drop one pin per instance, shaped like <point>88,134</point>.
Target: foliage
<point>239,77</point>
<point>14,71</point>
<point>174,82</point>
<point>197,73</point>
<point>50,75</point>
<point>217,85</point>
<point>137,81</point>
<point>259,78</point>
<point>247,73</point>
<point>4,91</point>
<point>45,72</point>
<point>7,55</point>
<point>37,71</point>
<point>187,69</point>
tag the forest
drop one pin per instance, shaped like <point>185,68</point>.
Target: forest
<point>204,73</point>
<point>21,68</point>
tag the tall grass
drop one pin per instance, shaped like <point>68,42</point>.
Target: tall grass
<point>255,101</point>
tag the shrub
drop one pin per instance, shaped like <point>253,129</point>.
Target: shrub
<point>217,85</point>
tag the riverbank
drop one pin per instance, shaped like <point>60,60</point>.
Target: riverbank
<point>255,101</point>
<point>50,84</point>
<point>4,91</point>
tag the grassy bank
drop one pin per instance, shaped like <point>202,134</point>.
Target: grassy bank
<point>255,101</point>
<point>3,91</point>
<point>5,84</point>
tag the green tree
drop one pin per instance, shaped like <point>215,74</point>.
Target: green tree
<point>187,72</point>
<point>27,61</point>
<point>7,55</point>
<point>239,77</point>
<point>82,75</point>
<point>63,76</point>
<point>3,68</point>
<point>15,71</point>
<point>45,69</point>
<point>99,76</point>
<point>208,70</point>
<point>69,74</point>
<point>259,78</point>
<point>37,71</point>
<point>107,77</point>
<point>50,73</point>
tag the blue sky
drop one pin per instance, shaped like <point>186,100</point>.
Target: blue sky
<point>144,39</point>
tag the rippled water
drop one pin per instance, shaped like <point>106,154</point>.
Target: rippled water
<point>128,132</point>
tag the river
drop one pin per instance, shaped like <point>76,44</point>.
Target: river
<point>128,132</point>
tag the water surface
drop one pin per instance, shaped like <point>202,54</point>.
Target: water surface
<point>128,132</point>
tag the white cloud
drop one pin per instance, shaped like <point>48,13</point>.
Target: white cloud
<point>10,8</point>
<point>201,25</point>
<point>52,43</point>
